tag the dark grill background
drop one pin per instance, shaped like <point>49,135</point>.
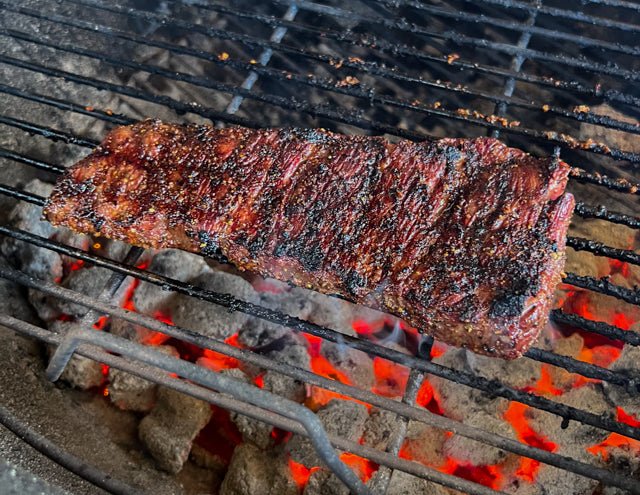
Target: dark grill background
<point>423,69</point>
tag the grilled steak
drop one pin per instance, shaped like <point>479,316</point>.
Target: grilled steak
<point>463,238</point>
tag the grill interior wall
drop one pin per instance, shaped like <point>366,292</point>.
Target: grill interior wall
<point>415,78</point>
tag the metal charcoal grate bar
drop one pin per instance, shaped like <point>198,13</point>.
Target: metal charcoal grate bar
<point>383,71</point>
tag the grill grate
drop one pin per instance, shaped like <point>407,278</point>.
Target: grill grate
<point>519,41</point>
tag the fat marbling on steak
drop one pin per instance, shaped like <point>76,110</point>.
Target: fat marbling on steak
<point>462,238</point>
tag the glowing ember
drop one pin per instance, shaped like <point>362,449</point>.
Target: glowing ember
<point>516,416</point>
<point>615,440</point>
<point>391,378</point>
<point>621,267</point>
<point>490,476</point>
<point>544,385</point>
<point>217,361</point>
<point>300,473</point>
<point>364,467</point>
<point>101,323</point>
<point>76,265</point>
<point>221,436</point>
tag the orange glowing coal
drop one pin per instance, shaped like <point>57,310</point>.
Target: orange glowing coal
<point>220,436</point>
<point>516,416</point>
<point>217,361</point>
<point>391,378</point>
<point>364,468</point>
<point>320,365</point>
<point>490,476</point>
<point>544,385</point>
<point>300,473</point>
<point>615,440</point>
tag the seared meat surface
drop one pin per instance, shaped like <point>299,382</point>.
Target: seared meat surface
<point>463,238</point>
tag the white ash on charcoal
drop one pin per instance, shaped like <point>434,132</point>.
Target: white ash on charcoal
<point>169,429</point>
<point>479,453</point>
<point>211,319</point>
<point>253,471</point>
<point>629,364</point>
<point>81,372</point>
<point>291,301</point>
<point>357,365</point>
<point>324,482</point>
<point>40,263</point>
<point>342,418</point>
<point>587,264</point>
<point>207,460</point>
<point>173,263</point>
<point>424,443</point>
<point>131,331</point>
<point>132,393</point>
<point>622,459</point>
<point>13,301</point>
<point>518,373</point>
<point>292,350</point>
<point>284,386</point>
<point>407,484</point>
<point>338,314</point>
<point>574,439</point>
<point>552,481</point>
<point>89,281</point>
<point>253,431</point>
<point>378,428</point>
<point>458,401</point>
<point>564,346</point>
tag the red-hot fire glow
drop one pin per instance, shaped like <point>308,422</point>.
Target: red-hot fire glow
<point>391,378</point>
<point>300,473</point>
<point>614,440</point>
<point>221,435</point>
<point>363,467</point>
<point>490,476</point>
<point>217,361</point>
<point>516,416</point>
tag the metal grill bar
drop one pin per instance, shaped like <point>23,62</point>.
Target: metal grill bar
<point>603,286</point>
<point>260,414</point>
<point>603,213</point>
<point>66,105</point>
<point>600,249</point>
<point>566,14</point>
<point>47,132</point>
<point>515,26</point>
<point>615,3</point>
<point>279,75</point>
<point>491,387</point>
<point>250,357</point>
<point>263,59</point>
<point>621,185</point>
<point>377,45</point>
<point>175,105</point>
<point>350,118</point>
<point>32,162</point>
<point>456,38</point>
<point>599,327</point>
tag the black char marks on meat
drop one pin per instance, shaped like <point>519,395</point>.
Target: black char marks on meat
<point>463,238</point>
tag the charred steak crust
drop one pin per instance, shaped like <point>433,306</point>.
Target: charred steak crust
<point>463,238</point>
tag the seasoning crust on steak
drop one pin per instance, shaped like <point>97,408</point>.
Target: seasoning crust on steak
<point>462,238</point>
